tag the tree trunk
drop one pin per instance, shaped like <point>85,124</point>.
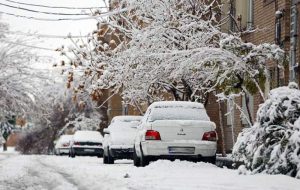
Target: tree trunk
<point>223,150</point>
<point>4,147</point>
<point>248,109</point>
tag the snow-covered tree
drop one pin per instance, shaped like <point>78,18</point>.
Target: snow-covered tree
<point>272,144</point>
<point>62,113</point>
<point>20,81</point>
<point>173,47</point>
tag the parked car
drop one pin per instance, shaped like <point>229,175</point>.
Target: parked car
<point>62,145</point>
<point>175,130</point>
<point>86,143</point>
<point>119,138</point>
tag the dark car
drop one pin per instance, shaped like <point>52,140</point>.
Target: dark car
<point>86,143</point>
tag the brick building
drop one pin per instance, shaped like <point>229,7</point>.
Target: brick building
<point>262,21</point>
<point>271,21</point>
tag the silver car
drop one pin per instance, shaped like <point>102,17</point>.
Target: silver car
<point>62,146</point>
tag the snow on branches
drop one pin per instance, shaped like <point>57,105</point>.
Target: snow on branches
<point>272,145</point>
<point>174,47</point>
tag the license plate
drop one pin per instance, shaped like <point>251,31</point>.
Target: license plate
<point>182,150</point>
<point>89,150</point>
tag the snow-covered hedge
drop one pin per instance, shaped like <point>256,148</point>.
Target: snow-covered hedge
<point>272,144</point>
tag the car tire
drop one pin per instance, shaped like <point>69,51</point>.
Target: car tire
<point>72,154</point>
<point>136,159</point>
<point>211,160</point>
<point>144,160</point>
<point>105,159</point>
<point>109,157</point>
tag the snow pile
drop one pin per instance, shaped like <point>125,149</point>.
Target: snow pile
<point>272,144</point>
<point>60,173</point>
<point>10,150</point>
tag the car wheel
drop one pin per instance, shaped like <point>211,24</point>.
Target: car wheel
<point>144,160</point>
<point>105,159</point>
<point>211,160</point>
<point>72,154</point>
<point>109,157</point>
<point>136,160</point>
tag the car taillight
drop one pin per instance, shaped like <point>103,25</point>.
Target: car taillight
<point>76,143</point>
<point>152,135</point>
<point>210,136</point>
<point>65,144</point>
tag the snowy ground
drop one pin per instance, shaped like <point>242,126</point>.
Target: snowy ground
<point>19,172</point>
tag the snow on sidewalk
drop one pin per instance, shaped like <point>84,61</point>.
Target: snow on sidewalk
<point>55,172</point>
<point>10,150</point>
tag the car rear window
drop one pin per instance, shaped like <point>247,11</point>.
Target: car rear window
<point>178,113</point>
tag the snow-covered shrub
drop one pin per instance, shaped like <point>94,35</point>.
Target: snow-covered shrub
<point>272,144</point>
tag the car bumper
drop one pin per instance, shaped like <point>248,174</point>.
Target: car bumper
<point>87,151</point>
<point>197,149</point>
<point>121,153</point>
<point>63,151</point>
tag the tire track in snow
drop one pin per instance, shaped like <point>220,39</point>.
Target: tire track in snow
<point>31,174</point>
<point>65,176</point>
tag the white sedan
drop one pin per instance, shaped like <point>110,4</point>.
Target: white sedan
<point>119,138</point>
<point>175,130</point>
<point>62,146</point>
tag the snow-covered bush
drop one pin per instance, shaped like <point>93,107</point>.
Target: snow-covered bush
<point>272,144</point>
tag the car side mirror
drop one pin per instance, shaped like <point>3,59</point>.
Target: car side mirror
<point>106,131</point>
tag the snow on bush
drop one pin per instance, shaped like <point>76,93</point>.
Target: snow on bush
<point>272,144</point>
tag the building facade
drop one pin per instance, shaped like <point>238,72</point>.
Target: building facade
<point>264,21</point>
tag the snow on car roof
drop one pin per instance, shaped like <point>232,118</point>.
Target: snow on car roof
<point>182,104</point>
<point>65,138</point>
<point>127,118</point>
<point>177,110</point>
<point>90,136</point>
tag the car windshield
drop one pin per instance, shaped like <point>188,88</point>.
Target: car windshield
<point>178,113</point>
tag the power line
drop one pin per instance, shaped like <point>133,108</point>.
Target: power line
<point>54,7</point>
<point>26,45</point>
<point>104,14</point>
<point>43,12</point>
<point>44,35</point>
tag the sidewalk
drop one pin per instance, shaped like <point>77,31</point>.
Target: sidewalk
<point>10,150</point>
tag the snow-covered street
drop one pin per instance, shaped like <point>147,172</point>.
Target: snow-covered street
<point>36,172</point>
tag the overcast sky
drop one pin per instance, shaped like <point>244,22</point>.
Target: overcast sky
<point>76,27</point>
